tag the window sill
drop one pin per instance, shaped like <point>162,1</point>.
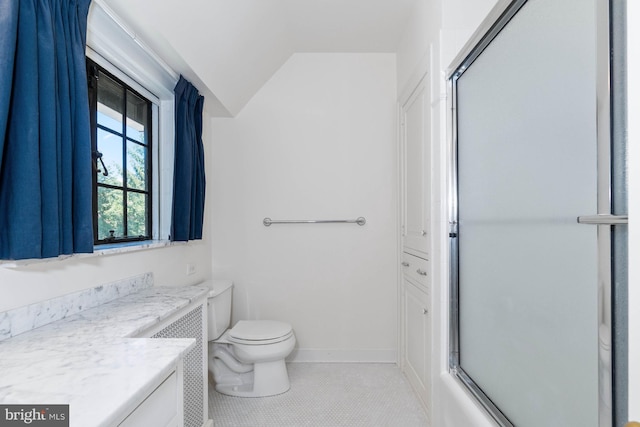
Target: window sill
<point>102,250</point>
<point>121,248</point>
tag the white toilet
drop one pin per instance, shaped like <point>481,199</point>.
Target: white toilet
<point>248,359</point>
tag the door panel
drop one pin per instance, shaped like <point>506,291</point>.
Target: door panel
<point>417,170</point>
<point>527,168</point>
<point>417,339</point>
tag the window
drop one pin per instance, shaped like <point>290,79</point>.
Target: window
<point>121,123</point>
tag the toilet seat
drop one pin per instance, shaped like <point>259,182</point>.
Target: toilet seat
<point>259,332</point>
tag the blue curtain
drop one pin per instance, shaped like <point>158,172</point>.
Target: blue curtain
<point>189,178</point>
<point>45,150</point>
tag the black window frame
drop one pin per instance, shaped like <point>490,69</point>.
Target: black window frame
<point>93,72</point>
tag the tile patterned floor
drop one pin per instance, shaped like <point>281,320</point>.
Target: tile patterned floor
<point>327,395</point>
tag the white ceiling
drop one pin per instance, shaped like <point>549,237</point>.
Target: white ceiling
<point>230,48</point>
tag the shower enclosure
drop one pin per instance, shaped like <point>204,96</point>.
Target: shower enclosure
<point>538,223</point>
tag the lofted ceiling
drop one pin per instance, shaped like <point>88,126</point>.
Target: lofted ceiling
<point>230,48</point>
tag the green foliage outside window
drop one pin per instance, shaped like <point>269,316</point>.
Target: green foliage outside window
<point>110,201</point>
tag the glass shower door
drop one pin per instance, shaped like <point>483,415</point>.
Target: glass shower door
<point>529,296</point>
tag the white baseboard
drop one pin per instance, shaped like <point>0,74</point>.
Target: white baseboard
<point>209,423</point>
<point>340,355</point>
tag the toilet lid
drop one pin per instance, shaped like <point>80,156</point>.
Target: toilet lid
<point>259,330</point>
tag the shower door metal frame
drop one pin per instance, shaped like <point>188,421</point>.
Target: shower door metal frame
<point>604,218</point>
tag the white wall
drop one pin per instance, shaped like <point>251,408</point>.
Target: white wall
<point>316,142</point>
<point>460,19</point>
<point>24,285</point>
<point>419,43</point>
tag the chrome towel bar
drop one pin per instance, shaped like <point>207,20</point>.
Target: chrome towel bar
<point>268,221</point>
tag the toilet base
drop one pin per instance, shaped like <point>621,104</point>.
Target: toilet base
<point>268,379</point>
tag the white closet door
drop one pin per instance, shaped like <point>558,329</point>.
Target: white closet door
<point>416,128</point>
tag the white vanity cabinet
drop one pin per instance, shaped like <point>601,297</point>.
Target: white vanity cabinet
<point>416,269</point>
<point>416,337</point>
<point>190,322</point>
<point>121,375</point>
<point>163,407</point>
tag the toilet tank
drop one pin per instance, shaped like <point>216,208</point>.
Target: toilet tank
<point>219,307</point>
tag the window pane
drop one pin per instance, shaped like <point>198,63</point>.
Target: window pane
<point>121,133</point>
<point>137,110</point>
<point>136,166</point>
<point>110,213</point>
<point>136,214</point>
<point>110,146</point>
<point>110,103</point>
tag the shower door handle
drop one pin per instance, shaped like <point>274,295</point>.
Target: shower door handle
<point>604,219</point>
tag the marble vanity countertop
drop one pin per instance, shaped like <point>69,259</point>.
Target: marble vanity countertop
<point>91,361</point>
<point>128,316</point>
